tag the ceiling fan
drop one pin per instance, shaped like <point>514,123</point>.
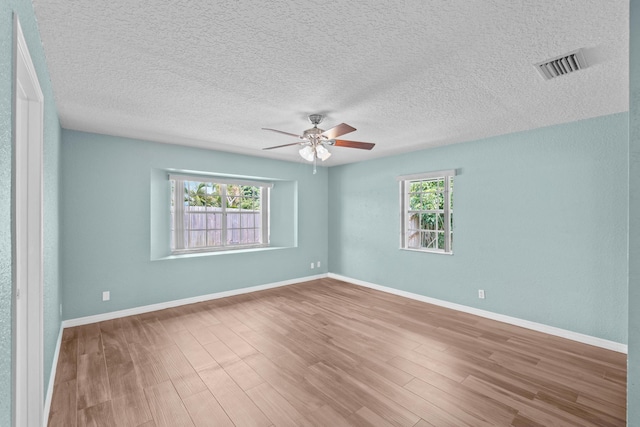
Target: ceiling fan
<point>314,141</point>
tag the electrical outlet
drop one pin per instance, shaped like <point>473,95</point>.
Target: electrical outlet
<point>481,293</point>
<point>318,264</point>
<point>106,296</point>
<point>312,265</point>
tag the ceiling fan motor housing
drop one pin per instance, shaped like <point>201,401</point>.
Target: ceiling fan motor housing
<point>313,133</point>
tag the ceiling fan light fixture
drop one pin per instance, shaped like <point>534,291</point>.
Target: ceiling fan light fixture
<point>322,153</point>
<point>307,153</point>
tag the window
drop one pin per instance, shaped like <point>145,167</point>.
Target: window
<point>427,211</point>
<point>211,214</point>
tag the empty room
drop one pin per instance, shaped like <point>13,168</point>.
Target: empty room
<point>290,213</point>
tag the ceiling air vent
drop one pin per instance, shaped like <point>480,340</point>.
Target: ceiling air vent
<point>561,65</point>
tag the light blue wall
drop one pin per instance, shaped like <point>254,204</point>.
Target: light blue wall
<point>633,374</point>
<point>540,225</point>
<point>565,267</point>
<point>540,222</point>
<point>24,9</point>
<point>107,223</point>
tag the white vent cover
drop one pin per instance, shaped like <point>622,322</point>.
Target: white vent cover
<point>561,65</point>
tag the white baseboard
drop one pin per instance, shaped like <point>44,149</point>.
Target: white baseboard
<point>175,303</point>
<point>551,330</point>
<point>52,378</point>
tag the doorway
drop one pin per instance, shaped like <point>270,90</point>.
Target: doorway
<point>27,232</point>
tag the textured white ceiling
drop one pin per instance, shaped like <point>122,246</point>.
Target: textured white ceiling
<point>407,74</point>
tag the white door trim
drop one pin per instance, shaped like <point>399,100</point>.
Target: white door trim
<point>27,229</point>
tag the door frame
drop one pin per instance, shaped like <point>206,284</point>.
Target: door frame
<point>27,236</point>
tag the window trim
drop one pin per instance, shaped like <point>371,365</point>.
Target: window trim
<point>403,181</point>
<point>264,186</point>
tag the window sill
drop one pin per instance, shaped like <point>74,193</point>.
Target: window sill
<point>426,251</point>
<point>216,253</point>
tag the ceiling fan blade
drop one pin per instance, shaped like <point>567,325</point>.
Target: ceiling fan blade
<point>285,145</point>
<point>286,133</point>
<point>353,144</point>
<point>338,130</point>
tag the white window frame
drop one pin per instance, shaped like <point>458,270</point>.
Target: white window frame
<point>178,200</point>
<point>405,185</point>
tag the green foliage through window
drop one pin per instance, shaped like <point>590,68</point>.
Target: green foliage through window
<point>428,205</point>
<point>209,194</point>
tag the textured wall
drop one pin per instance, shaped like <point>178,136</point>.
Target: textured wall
<point>540,225</point>
<point>24,10</point>
<point>6,49</point>
<point>633,374</point>
<point>106,212</point>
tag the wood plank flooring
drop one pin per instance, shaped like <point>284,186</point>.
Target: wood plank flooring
<point>328,353</point>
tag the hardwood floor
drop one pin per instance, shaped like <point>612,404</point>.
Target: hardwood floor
<point>327,353</point>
